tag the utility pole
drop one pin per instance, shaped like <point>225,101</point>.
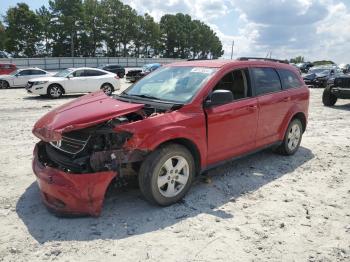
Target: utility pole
<point>233,43</point>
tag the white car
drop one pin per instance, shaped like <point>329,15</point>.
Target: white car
<point>20,77</point>
<point>74,80</point>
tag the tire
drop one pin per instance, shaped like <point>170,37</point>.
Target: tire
<point>160,181</point>
<point>4,84</point>
<point>55,91</point>
<point>107,88</point>
<point>328,98</point>
<point>292,138</point>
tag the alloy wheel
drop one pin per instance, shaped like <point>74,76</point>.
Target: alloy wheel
<point>173,176</point>
<point>107,89</point>
<point>294,136</point>
<point>55,91</point>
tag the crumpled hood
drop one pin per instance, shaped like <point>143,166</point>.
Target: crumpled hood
<point>80,113</point>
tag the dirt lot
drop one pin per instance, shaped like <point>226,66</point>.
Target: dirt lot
<point>263,207</point>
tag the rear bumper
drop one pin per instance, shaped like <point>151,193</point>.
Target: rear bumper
<point>343,93</point>
<point>71,194</point>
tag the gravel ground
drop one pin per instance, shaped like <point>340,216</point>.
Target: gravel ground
<point>264,207</point>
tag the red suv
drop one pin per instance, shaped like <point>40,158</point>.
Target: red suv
<point>6,69</point>
<point>168,128</point>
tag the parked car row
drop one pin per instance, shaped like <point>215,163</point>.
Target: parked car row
<point>71,80</point>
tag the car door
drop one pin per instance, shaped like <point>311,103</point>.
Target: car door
<point>273,102</point>
<point>76,82</point>
<point>96,79</point>
<point>22,77</point>
<point>232,127</point>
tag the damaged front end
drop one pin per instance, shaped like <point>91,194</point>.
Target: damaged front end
<point>82,152</point>
<point>86,162</point>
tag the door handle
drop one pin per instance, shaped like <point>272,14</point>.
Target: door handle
<point>252,107</point>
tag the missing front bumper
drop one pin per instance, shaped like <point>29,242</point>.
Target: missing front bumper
<point>71,194</point>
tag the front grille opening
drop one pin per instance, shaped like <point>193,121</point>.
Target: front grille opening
<point>72,143</point>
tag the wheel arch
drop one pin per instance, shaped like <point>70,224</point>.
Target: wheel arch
<point>57,84</point>
<point>108,83</point>
<point>190,145</point>
<point>301,116</point>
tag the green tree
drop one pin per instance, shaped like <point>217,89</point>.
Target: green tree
<point>45,29</point>
<point>23,34</point>
<point>92,28</point>
<point>111,30</point>
<point>296,60</point>
<point>2,36</point>
<point>66,22</point>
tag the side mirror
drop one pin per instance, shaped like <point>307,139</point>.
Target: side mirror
<point>219,97</point>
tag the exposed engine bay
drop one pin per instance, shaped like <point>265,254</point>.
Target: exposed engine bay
<point>98,148</point>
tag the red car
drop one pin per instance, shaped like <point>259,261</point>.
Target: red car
<point>168,128</point>
<point>6,69</point>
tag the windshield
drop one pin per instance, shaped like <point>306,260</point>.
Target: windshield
<point>319,71</point>
<point>175,84</point>
<point>64,73</point>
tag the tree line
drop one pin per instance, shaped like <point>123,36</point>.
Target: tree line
<point>103,28</point>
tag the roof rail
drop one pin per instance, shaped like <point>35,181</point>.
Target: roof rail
<point>262,58</point>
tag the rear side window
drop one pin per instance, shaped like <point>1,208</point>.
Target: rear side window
<point>266,80</point>
<point>38,72</point>
<point>289,79</point>
<point>94,73</point>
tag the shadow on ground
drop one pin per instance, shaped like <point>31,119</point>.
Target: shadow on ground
<point>345,107</point>
<point>125,213</point>
<point>46,98</point>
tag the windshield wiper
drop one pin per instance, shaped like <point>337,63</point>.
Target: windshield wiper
<point>145,96</point>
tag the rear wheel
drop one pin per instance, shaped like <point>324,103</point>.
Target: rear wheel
<point>328,98</point>
<point>4,84</point>
<point>107,88</point>
<point>166,174</point>
<point>292,138</point>
<point>55,91</point>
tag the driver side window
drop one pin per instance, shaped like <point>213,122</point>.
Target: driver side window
<point>78,73</point>
<point>237,82</point>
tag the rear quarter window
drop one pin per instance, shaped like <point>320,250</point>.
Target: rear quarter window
<point>289,79</point>
<point>266,80</point>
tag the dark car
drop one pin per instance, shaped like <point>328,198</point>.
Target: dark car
<point>305,67</point>
<point>116,69</point>
<point>135,75</point>
<point>166,129</point>
<point>339,89</point>
<point>321,76</point>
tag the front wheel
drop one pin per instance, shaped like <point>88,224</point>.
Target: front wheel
<point>4,84</point>
<point>166,174</point>
<point>292,138</point>
<point>54,91</point>
<point>328,98</point>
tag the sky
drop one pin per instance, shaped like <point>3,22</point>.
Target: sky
<point>315,29</point>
